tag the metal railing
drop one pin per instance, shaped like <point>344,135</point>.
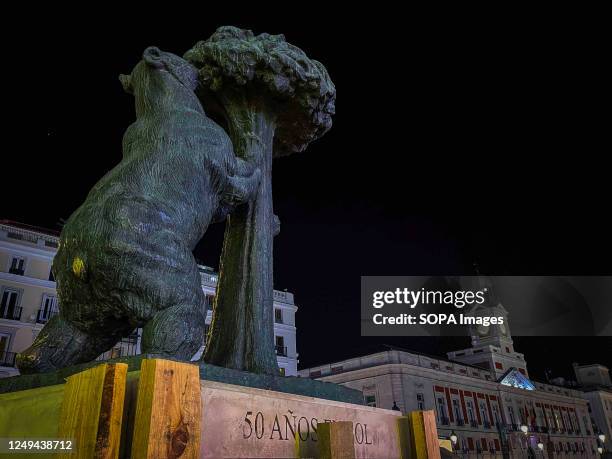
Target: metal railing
<point>18,272</point>
<point>11,313</point>
<point>7,359</point>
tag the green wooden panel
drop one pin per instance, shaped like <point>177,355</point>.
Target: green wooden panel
<point>32,413</point>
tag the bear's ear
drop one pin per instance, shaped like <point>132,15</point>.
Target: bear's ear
<point>153,57</point>
<point>126,82</point>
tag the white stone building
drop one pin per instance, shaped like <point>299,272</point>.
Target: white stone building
<point>482,394</point>
<point>594,382</point>
<point>28,299</point>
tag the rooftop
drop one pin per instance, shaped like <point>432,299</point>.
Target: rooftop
<point>32,228</point>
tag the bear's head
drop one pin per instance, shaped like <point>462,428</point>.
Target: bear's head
<point>166,63</point>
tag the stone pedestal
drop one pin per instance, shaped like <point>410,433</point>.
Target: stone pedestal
<point>164,408</point>
<point>241,421</point>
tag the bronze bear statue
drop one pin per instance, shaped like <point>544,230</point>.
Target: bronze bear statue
<point>125,256</point>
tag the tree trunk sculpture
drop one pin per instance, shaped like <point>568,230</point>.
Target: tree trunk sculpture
<point>274,101</point>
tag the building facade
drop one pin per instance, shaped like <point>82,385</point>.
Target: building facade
<point>28,299</point>
<point>596,386</point>
<point>482,394</point>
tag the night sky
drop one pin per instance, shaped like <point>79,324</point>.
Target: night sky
<point>451,145</point>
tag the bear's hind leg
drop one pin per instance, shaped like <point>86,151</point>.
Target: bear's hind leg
<point>60,344</point>
<point>177,331</point>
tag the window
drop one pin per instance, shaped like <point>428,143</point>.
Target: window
<point>442,411</point>
<point>420,401</point>
<point>483,413</point>
<point>457,412</point>
<point>370,400</point>
<point>17,266</point>
<point>470,411</point>
<point>557,420</point>
<point>4,345</point>
<point>315,374</point>
<point>208,303</point>
<point>9,305</point>
<point>496,415</point>
<point>280,346</point>
<point>337,369</point>
<point>278,316</point>
<point>48,309</point>
<point>511,415</point>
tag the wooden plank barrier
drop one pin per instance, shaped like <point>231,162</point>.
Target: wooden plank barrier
<point>336,440</point>
<point>157,412</point>
<point>403,436</point>
<point>92,410</point>
<point>423,435</point>
<point>167,422</point>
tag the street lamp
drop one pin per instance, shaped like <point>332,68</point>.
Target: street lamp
<point>524,429</point>
<point>602,437</point>
<point>600,450</point>
<point>541,446</point>
<point>453,438</point>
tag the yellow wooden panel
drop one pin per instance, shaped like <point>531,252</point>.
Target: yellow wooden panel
<point>32,413</point>
<point>336,440</point>
<point>92,411</point>
<point>424,435</point>
<point>168,411</point>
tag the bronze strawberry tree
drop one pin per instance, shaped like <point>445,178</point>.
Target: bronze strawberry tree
<point>273,101</point>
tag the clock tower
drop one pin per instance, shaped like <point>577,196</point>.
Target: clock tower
<point>492,347</point>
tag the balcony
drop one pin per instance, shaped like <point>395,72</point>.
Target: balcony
<point>7,359</point>
<point>18,272</point>
<point>281,350</point>
<point>10,312</point>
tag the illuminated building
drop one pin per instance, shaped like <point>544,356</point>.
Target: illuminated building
<point>482,395</point>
